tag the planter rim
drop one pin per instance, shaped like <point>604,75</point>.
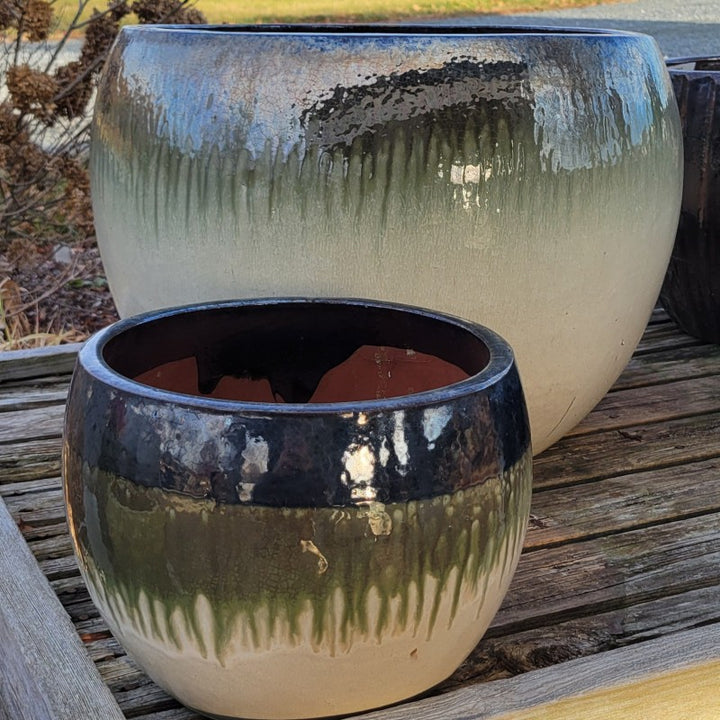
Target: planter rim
<point>380,30</point>
<point>672,62</point>
<point>501,360</point>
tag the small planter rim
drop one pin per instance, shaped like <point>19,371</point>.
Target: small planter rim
<point>500,362</point>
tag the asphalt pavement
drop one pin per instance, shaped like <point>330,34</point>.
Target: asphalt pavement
<point>682,28</point>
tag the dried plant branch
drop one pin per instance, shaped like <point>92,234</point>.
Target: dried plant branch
<point>65,278</point>
<point>45,111</point>
<point>45,116</point>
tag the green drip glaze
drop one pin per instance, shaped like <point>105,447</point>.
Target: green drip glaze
<point>137,542</point>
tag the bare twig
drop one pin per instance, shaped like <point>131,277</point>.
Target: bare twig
<point>72,27</point>
<point>65,278</point>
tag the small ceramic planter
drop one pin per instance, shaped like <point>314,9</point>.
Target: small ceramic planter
<point>527,179</point>
<point>295,508</point>
<point>691,290</point>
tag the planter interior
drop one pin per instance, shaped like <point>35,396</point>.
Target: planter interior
<point>284,354</point>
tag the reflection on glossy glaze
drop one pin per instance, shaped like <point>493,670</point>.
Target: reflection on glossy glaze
<point>528,181</point>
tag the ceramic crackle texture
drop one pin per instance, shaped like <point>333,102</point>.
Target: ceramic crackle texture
<point>526,179</point>
<point>304,554</point>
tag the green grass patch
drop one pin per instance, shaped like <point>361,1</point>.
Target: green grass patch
<point>242,11</point>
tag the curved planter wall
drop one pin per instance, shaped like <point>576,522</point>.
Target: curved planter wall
<point>691,290</point>
<point>525,179</point>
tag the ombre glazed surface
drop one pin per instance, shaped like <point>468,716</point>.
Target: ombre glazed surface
<point>526,179</point>
<point>286,559</point>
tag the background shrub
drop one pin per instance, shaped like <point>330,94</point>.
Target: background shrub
<point>45,109</point>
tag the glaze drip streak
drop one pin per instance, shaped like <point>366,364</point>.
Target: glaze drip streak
<point>327,576</point>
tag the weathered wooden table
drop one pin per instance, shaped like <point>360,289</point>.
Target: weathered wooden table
<point>614,610</point>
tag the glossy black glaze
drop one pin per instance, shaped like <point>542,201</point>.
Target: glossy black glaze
<point>419,446</point>
<point>691,290</point>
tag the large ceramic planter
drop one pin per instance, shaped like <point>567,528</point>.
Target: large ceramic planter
<point>526,179</point>
<point>691,291</point>
<point>340,550</point>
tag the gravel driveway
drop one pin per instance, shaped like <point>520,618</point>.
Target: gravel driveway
<point>681,27</point>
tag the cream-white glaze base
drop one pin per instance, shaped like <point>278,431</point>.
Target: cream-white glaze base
<point>295,678</point>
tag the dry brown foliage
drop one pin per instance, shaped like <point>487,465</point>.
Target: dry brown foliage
<point>32,92</point>
<point>44,134</point>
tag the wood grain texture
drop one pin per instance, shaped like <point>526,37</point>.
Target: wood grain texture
<point>30,460</point>
<point>509,654</point>
<point>33,424</point>
<point>623,547</point>
<point>559,583</point>
<point>664,336</point>
<point>635,406</point>
<point>41,508</point>
<point>19,400</point>
<point>622,503</point>
<point>692,692</point>
<point>673,443</point>
<point>46,673</point>
<point>21,364</point>
<point>687,650</point>
<point>664,366</point>
<point>25,487</point>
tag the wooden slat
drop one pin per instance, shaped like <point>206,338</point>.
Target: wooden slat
<point>42,507</point>
<point>611,572</point>
<point>663,337</point>
<point>621,503</point>
<point>20,400</point>
<point>30,459</point>
<point>68,587</point>
<point>179,713</point>
<point>625,408</point>
<point>25,487</point>
<point>52,548</point>
<point>506,654</point>
<point>144,699</point>
<point>672,443</point>
<point>659,315</point>
<point>46,382</point>
<point>669,365</point>
<point>662,695</point>
<point>21,364</point>
<point>33,424</point>
<point>638,663</point>
<point>46,673</point>
<point>59,567</point>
